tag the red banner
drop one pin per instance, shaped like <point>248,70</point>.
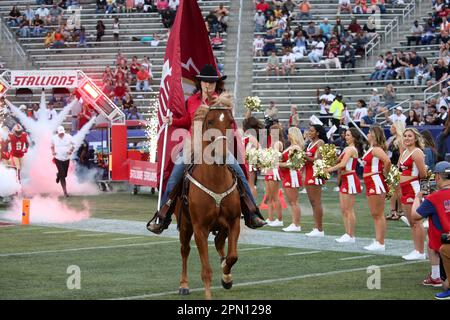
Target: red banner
<point>143,173</point>
<point>188,50</point>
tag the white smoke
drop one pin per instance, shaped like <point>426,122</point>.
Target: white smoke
<point>8,181</point>
<point>39,172</point>
<point>46,210</point>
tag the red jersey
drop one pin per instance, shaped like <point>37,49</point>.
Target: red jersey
<point>351,163</point>
<point>408,166</point>
<point>372,164</point>
<point>19,145</point>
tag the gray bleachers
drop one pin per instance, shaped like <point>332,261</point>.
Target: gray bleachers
<point>98,55</point>
<point>300,88</point>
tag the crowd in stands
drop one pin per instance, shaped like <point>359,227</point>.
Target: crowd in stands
<point>291,33</point>
<point>125,76</point>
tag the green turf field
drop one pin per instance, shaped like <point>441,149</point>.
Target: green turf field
<point>34,260</point>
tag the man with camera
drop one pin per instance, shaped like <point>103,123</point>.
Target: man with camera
<point>436,207</point>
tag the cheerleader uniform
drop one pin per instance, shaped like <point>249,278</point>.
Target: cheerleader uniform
<point>248,145</point>
<point>273,175</point>
<point>290,178</point>
<point>411,187</point>
<point>350,182</point>
<point>375,182</point>
<point>310,180</point>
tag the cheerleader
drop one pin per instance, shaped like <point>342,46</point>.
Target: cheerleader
<point>292,179</point>
<point>412,168</point>
<point>376,167</point>
<point>350,184</point>
<point>273,178</point>
<point>395,147</point>
<point>317,137</point>
<point>251,126</point>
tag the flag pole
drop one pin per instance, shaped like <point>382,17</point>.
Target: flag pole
<point>163,160</point>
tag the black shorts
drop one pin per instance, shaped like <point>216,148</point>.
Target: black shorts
<point>63,167</point>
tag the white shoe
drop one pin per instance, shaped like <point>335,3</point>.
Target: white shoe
<point>405,220</point>
<point>303,191</point>
<point>315,233</point>
<point>346,239</point>
<point>415,255</point>
<point>293,228</point>
<point>276,223</point>
<point>336,189</point>
<point>375,246</point>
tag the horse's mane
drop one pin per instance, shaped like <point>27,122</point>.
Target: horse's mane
<point>225,100</point>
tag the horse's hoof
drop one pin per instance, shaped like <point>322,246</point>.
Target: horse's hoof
<point>226,285</point>
<point>183,291</point>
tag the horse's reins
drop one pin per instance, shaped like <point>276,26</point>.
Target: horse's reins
<point>218,197</point>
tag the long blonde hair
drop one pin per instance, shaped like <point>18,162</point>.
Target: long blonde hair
<point>297,137</point>
<point>399,130</point>
<point>420,143</point>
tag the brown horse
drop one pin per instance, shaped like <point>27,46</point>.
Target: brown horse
<point>213,204</point>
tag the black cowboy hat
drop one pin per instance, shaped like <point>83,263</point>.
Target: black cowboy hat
<point>209,74</point>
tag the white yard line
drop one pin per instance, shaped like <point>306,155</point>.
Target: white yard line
<point>83,249</point>
<point>251,249</point>
<point>269,281</point>
<point>129,238</point>
<point>58,232</point>
<point>92,235</point>
<point>356,258</point>
<point>302,253</point>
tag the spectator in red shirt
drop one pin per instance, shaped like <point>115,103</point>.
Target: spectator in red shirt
<point>107,75</point>
<point>108,88</point>
<point>354,27</point>
<point>58,40</point>
<point>262,5</point>
<point>142,77</point>
<point>216,41</point>
<point>119,91</point>
<point>135,66</point>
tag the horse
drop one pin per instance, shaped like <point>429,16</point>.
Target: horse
<point>213,205</point>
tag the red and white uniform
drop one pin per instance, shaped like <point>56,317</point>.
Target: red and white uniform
<point>349,181</point>
<point>248,145</point>
<point>409,168</point>
<point>19,145</point>
<point>311,150</point>
<point>273,175</point>
<point>290,178</point>
<point>375,182</point>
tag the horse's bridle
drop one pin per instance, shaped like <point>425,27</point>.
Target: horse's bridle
<point>218,108</point>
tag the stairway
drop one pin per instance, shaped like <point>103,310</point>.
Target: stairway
<point>242,62</point>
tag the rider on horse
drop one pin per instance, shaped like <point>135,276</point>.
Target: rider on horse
<point>211,84</point>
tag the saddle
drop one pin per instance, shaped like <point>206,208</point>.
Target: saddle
<point>181,193</point>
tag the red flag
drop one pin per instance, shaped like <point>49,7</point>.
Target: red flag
<point>188,49</point>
